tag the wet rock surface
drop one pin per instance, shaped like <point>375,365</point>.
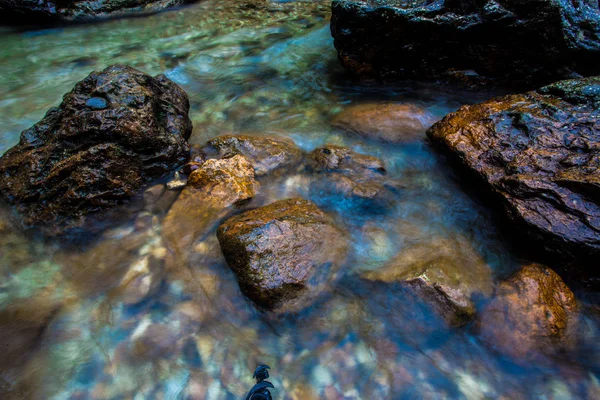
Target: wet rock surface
<point>533,312</point>
<point>340,172</point>
<point>538,153</point>
<point>387,122</point>
<point>266,154</point>
<point>446,273</point>
<point>88,155</point>
<point>30,12</point>
<point>514,42</point>
<point>281,252</point>
<point>210,191</point>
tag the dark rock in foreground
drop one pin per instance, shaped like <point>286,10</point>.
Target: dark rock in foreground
<point>517,42</point>
<point>29,11</point>
<point>115,131</point>
<point>283,253</point>
<point>533,313</point>
<point>539,154</point>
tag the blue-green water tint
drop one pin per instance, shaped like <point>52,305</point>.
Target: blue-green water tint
<point>271,70</point>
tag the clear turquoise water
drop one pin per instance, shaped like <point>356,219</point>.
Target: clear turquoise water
<point>266,71</point>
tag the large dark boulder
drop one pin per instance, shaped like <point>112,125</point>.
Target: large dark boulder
<point>538,153</point>
<point>34,11</point>
<point>115,131</point>
<point>283,254</point>
<point>518,42</point>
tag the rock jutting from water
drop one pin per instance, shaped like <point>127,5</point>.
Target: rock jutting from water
<point>532,312</point>
<point>538,153</point>
<point>31,12</point>
<point>514,42</point>
<point>82,158</point>
<point>211,190</point>
<point>266,154</point>
<point>284,253</point>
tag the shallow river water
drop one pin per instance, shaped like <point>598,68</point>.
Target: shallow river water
<point>260,68</point>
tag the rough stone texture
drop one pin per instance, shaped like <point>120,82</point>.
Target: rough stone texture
<point>446,273</point>
<point>518,42</point>
<point>341,172</point>
<point>283,251</point>
<point>211,190</point>
<point>34,11</point>
<point>115,131</point>
<point>264,153</point>
<point>539,154</point>
<point>387,122</point>
<point>532,313</point>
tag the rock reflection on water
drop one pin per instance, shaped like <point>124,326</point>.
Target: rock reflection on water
<point>148,312</point>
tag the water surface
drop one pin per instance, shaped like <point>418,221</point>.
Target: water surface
<point>264,68</point>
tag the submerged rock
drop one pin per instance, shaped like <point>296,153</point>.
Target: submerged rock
<point>282,252</point>
<point>446,273</point>
<point>533,312</point>
<point>539,154</point>
<point>341,172</point>
<point>210,191</point>
<point>387,122</point>
<point>80,159</point>
<point>31,12</point>
<point>519,43</point>
<point>266,154</point>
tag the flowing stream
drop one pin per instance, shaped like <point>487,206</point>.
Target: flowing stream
<point>270,69</point>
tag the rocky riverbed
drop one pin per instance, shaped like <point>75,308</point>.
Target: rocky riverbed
<point>189,194</point>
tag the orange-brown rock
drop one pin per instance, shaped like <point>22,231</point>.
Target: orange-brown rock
<point>283,251</point>
<point>388,122</point>
<point>538,154</point>
<point>532,313</point>
<point>210,191</point>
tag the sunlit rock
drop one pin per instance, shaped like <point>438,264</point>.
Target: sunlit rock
<point>387,122</point>
<point>282,252</point>
<point>266,154</point>
<point>538,154</point>
<point>80,159</point>
<point>534,312</point>
<point>445,273</point>
<point>514,42</point>
<point>210,191</point>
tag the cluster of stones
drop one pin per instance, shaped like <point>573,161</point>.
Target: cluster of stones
<point>536,153</point>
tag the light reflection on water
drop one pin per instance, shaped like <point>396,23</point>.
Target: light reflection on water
<point>267,71</point>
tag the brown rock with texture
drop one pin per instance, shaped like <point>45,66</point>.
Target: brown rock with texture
<point>266,154</point>
<point>446,273</point>
<point>533,312</point>
<point>283,253</point>
<point>387,122</point>
<point>210,191</point>
<point>115,131</point>
<point>341,172</point>
<point>538,153</point>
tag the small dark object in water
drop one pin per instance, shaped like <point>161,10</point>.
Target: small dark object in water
<point>96,102</point>
<point>261,372</point>
<point>260,391</point>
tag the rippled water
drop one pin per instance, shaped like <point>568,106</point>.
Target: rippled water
<point>269,69</point>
